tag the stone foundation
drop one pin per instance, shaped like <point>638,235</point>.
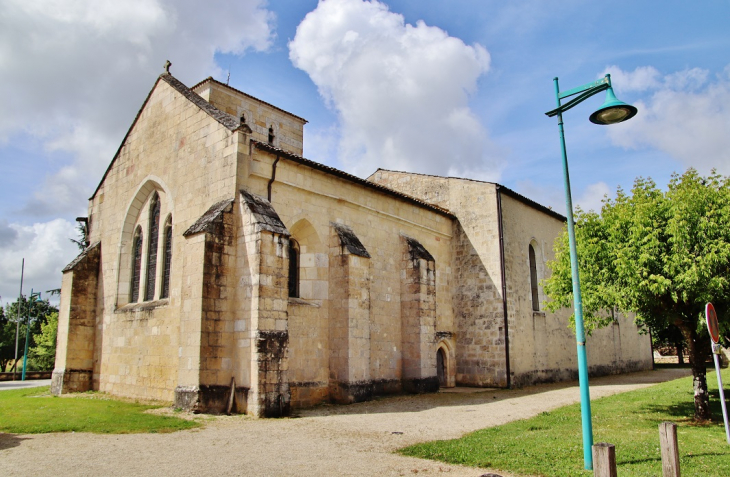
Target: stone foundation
<point>210,399</point>
<point>70,381</point>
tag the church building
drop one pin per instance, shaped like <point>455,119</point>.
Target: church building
<point>227,272</point>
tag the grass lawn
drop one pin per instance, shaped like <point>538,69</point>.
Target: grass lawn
<point>550,444</point>
<point>35,410</point>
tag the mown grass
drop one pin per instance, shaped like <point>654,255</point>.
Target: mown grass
<point>550,444</point>
<point>35,410</point>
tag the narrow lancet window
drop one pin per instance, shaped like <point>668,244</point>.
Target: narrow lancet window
<point>136,265</point>
<point>293,268</point>
<point>165,292</point>
<point>533,281</point>
<point>271,135</point>
<point>154,233</point>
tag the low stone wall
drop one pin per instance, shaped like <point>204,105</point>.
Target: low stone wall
<point>28,375</point>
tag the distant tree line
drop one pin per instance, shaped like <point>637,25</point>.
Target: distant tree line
<point>43,331</point>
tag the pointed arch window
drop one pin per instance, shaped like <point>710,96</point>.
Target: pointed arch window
<point>533,280</point>
<point>154,233</point>
<point>293,268</point>
<point>165,291</point>
<point>136,265</point>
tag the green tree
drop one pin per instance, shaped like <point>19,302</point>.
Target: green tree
<point>662,255</point>
<point>43,354</point>
<point>83,239</point>
<point>39,312</point>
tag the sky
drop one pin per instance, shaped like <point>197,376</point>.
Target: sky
<point>454,88</point>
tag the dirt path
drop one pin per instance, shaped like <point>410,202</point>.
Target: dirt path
<point>355,440</point>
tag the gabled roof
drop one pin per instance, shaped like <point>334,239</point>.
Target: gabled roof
<point>80,258</point>
<point>349,240</point>
<point>225,119</point>
<point>206,222</point>
<point>210,79</point>
<point>505,190</point>
<point>349,177</point>
<point>264,214</point>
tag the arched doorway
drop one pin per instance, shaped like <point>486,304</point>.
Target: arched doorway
<point>441,367</point>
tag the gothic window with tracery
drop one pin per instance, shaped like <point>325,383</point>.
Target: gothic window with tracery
<point>154,232</point>
<point>165,292</point>
<point>136,265</point>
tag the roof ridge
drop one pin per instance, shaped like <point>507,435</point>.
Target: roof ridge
<point>351,177</point>
<point>210,79</point>
<point>515,195</point>
<point>222,117</point>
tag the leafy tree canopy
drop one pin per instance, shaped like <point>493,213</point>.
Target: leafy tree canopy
<point>43,354</point>
<point>39,312</point>
<point>660,254</point>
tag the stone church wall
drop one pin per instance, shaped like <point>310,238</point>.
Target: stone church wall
<point>189,158</point>
<point>542,347</point>
<point>288,129</point>
<point>393,294</point>
<point>309,202</point>
<point>476,291</point>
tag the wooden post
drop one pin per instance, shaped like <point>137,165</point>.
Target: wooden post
<point>604,460</point>
<point>232,396</point>
<point>670,449</point>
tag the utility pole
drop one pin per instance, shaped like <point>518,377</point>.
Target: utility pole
<point>17,320</point>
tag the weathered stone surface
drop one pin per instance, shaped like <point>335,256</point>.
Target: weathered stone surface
<point>207,222</point>
<point>400,280</point>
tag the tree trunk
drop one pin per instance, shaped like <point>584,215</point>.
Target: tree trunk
<point>680,349</point>
<point>698,351</point>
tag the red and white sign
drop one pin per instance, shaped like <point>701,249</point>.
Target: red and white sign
<point>712,325</point>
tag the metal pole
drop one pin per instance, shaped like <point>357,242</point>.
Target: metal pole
<point>715,355</point>
<point>585,398</point>
<point>17,318</point>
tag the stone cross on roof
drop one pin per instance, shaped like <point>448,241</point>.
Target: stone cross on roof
<point>167,66</point>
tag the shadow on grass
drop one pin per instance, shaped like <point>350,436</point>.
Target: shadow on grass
<point>8,441</point>
<point>686,409</point>
<point>659,459</point>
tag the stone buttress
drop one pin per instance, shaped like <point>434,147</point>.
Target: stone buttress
<point>77,323</point>
<point>350,379</point>
<point>418,317</point>
<point>206,328</point>
<point>267,244</point>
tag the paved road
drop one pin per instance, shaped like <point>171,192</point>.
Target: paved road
<point>31,383</point>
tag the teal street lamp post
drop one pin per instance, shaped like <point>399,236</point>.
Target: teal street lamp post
<point>611,112</point>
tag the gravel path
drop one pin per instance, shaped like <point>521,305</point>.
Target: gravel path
<point>356,440</point>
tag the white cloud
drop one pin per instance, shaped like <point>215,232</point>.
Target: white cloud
<point>401,91</point>
<point>592,197</point>
<point>687,116</point>
<point>641,79</point>
<point>553,197</point>
<point>46,248</point>
<point>550,196</point>
<point>74,73</point>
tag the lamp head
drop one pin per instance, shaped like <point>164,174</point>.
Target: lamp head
<point>613,111</point>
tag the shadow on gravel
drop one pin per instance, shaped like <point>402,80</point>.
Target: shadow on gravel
<point>8,441</point>
<point>475,396</point>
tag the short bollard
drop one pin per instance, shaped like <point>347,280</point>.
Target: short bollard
<point>670,449</point>
<point>604,460</point>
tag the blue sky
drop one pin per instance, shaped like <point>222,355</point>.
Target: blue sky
<point>458,87</point>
